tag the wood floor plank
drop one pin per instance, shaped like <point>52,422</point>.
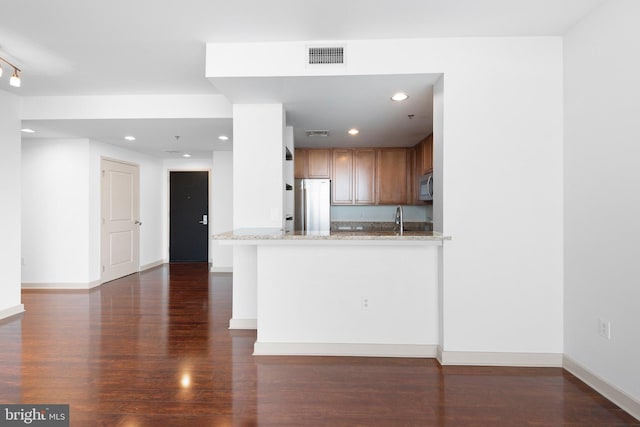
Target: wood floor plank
<point>154,349</point>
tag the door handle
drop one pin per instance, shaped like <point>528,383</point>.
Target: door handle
<point>138,222</point>
<point>205,220</point>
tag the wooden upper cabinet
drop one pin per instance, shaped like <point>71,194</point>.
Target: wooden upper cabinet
<point>300,163</point>
<point>424,156</point>
<point>392,175</point>
<point>342,176</point>
<point>312,163</point>
<point>319,163</point>
<point>364,165</point>
<point>427,154</point>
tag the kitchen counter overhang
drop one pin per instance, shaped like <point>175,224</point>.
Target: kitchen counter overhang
<point>274,235</point>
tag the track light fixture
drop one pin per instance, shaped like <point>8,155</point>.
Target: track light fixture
<point>15,77</point>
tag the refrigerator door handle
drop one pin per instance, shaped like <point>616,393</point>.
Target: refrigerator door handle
<point>306,208</point>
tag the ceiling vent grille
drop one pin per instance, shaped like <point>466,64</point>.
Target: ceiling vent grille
<point>324,133</point>
<point>326,55</point>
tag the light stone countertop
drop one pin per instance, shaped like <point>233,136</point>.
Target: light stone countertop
<point>248,234</point>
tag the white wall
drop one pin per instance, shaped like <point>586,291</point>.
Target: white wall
<point>501,169</point>
<point>61,209</point>
<point>10,211</point>
<point>399,283</point>
<point>55,211</point>
<point>602,206</point>
<point>222,208</point>
<point>502,205</point>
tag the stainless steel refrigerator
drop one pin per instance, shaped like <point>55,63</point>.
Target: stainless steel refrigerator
<point>312,205</point>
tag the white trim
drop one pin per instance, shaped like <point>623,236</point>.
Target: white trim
<point>439,354</point>
<point>221,269</point>
<point>63,285</point>
<point>11,311</point>
<point>604,387</point>
<point>243,324</point>
<point>152,265</point>
<point>339,349</point>
<point>472,358</point>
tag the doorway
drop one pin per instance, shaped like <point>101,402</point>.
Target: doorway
<point>188,216</point>
<point>120,225</point>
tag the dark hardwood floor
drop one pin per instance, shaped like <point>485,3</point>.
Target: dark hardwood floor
<point>153,349</point>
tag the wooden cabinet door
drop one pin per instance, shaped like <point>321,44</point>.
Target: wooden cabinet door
<point>364,164</point>
<point>412,176</point>
<point>392,176</point>
<point>300,163</point>
<point>427,154</point>
<point>342,177</point>
<point>319,163</point>
<point>419,158</point>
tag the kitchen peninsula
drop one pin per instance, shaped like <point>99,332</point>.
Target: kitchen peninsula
<point>338,293</point>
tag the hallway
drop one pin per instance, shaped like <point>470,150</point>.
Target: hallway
<point>153,349</point>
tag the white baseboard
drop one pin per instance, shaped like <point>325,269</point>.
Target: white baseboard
<point>152,265</point>
<point>337,349</point>
<point>11,311</point>
<point>243,324</point>
<point>62,286</point>
<point>471,358</point>
<point>602,386</point>
<point>81,285</point>
<point>221,269</point>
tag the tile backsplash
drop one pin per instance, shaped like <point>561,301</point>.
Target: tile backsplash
<point>384,213</point>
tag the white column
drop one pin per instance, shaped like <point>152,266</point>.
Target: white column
<point>10,251</point>
<point>258,138</point>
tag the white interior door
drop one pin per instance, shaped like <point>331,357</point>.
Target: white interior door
<point>120,236</point>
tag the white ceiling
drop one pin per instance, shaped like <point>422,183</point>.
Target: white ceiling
<point>196,137</point>
<point>76,47</point>
<point>340,103</point>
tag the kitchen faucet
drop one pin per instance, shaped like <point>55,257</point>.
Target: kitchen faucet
<point>399,220</point>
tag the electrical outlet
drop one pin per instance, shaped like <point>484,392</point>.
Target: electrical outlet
<point>365,303</point>
<point>604,329</point>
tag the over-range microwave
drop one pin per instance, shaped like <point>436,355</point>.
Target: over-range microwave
<point>426,187</point>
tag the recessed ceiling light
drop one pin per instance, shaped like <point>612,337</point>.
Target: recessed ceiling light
<point>400,96</point>
<point>130,138</point>
<point>25,130</point>
<point>186,155</point>
<point>223,138</point>
<point>353,131</point>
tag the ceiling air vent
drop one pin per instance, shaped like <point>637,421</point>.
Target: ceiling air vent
<point>324,133</point>
<point>326,55</point>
